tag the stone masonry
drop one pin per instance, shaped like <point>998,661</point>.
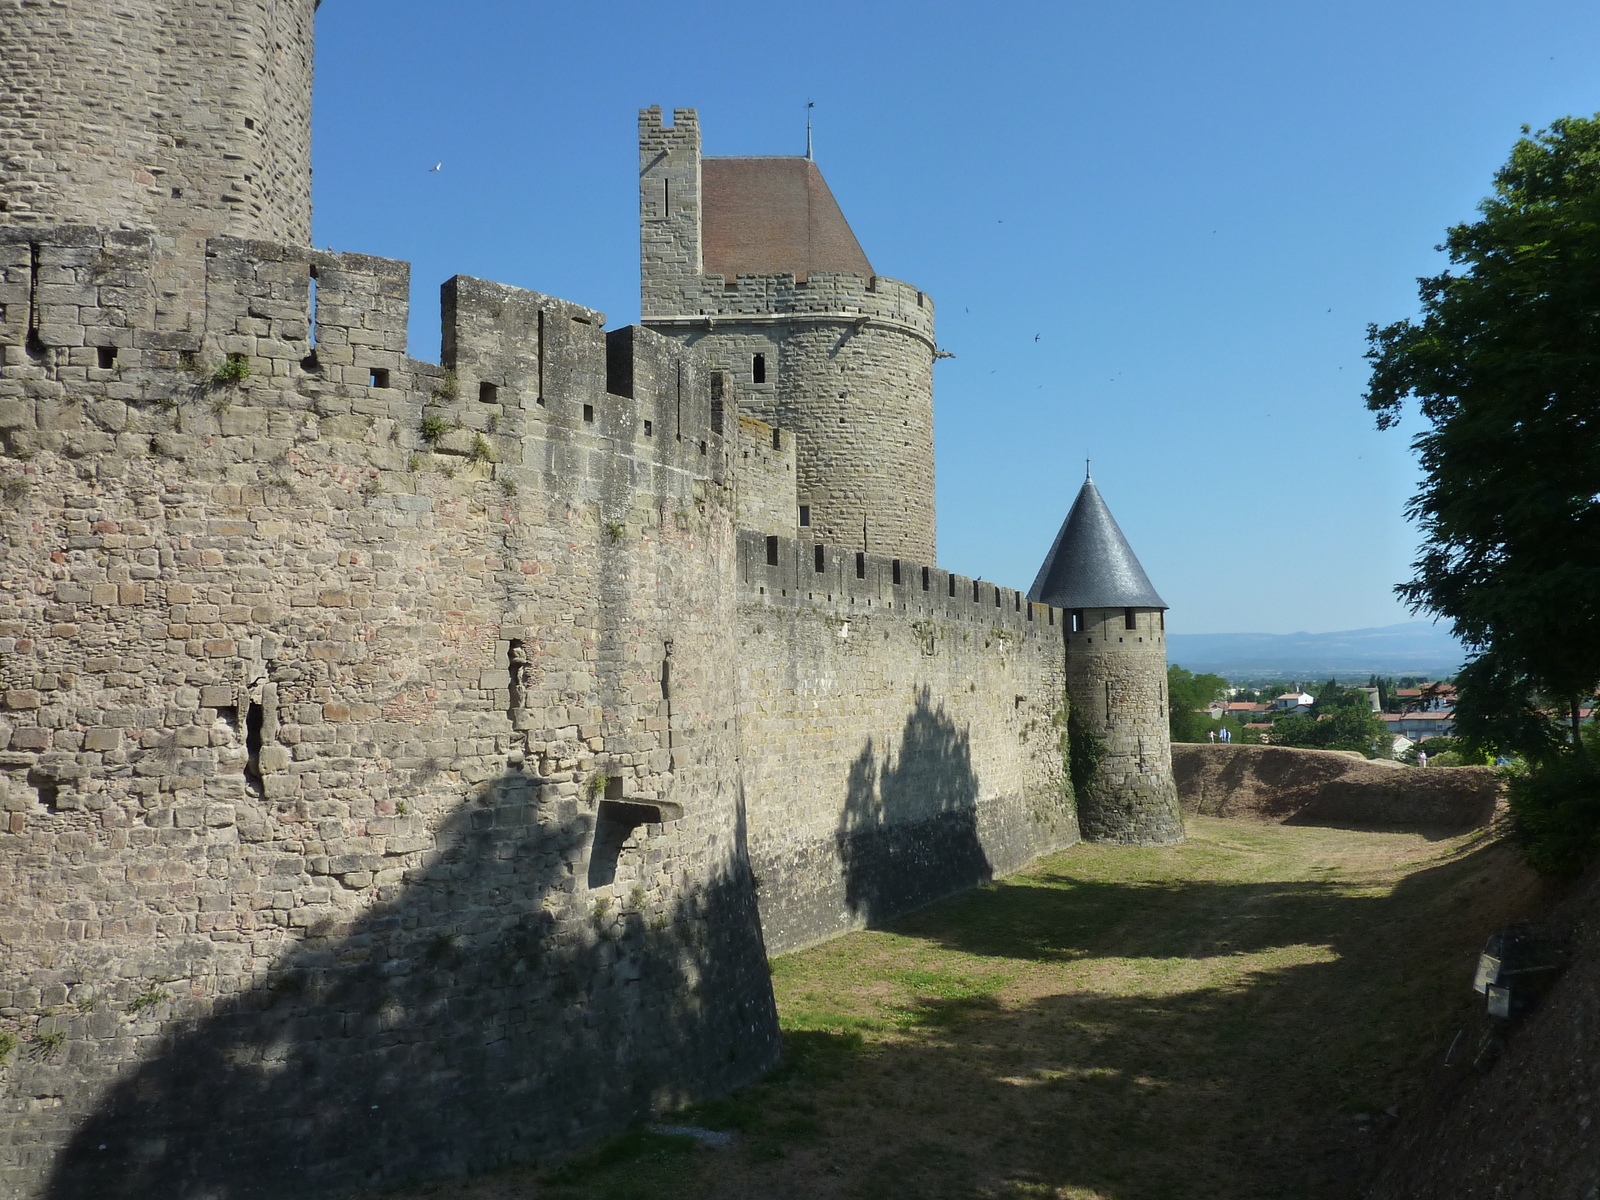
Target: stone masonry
<point>406,769</point>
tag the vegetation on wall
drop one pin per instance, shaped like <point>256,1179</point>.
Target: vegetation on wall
<point>1085,749</point>
<point>1502,361</point>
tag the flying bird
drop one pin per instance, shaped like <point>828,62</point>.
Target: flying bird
<point>1036,337</point>
<point>438,166</point>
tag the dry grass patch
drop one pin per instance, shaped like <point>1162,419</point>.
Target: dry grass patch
<point>1229,1018</point>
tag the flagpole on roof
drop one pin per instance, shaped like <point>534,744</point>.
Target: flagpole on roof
<point>809,106</point>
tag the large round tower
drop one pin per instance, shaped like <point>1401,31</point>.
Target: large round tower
<point>1116,645</point>
<point>751,260</point>
<point>188,117</point>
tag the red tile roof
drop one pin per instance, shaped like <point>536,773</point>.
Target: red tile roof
<point>764,216</point>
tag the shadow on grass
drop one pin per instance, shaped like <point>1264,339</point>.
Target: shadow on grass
<point>1263,1081</point>
<point>1054,917</point>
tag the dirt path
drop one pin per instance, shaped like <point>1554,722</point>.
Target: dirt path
<point>1230,1018</point>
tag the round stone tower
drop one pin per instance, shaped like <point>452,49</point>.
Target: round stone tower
<point>188,117</point>
<point>1116,646</point>
<point>751,260</point>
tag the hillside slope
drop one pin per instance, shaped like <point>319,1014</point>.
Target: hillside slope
<point>1526,1128</point>
<point>1329,787</point>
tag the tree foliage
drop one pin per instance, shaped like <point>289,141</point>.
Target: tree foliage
<point>1351,727</point>
<point>1505,362</point>
<point>1187,694</point>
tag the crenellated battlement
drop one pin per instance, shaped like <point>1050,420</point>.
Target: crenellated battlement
<point>788,572</point>
<point>325,333</point>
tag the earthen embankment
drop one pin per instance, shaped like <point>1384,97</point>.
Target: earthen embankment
<point>1329,787</point>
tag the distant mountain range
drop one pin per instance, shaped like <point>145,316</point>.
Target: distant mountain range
<point>1410,648</point>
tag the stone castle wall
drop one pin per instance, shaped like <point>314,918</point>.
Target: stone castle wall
<point>900,734</point>
<point>367,752</point>
<point>393,743</point>
<point>398,762</point>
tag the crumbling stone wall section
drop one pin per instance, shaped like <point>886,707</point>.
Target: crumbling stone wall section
<point>1117,679</point>
<point>368,750</point>
<point>901,734</point>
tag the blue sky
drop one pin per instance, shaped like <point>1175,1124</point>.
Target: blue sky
<point>1197,208</point>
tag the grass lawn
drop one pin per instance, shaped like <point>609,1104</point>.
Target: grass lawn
<point>1236,1017</point>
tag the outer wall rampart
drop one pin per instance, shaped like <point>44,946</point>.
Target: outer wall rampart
<point>900,734</point>
<point>385,751</point>
<point>367,748</point>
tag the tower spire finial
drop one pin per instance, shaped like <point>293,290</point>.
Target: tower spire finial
<point>1086,476</point>
<point>810,104</point>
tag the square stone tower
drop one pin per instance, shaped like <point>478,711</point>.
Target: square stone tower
<point>752,260</point>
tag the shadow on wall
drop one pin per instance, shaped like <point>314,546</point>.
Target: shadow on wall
<point>489,1012</point>
<point>909,831</point>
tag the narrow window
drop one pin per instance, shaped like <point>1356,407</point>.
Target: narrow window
<point>540,398</point>
<point>1030,610</point>
<point>974,591</point>
<point>776,442</point>
<point>254,721</point>
<point>1051,609</point>
<point>106,357</point>
<point>758,368</point>
<point>1130,620</point>
<point>1077,620</point>
<point>588,412</point>
<point>309,362</point>
<point>516,665</point>
<point>1163,615</point>
<point>380,377</point>
<point>772,551</point>
<point>1108,702</point>
<point>861,565</point>
<point>952,580</point>
<point>489,393</point>
<point>894,572</point>
<point>805,516</point>
<point>718,389</point>
<point>666,196</point>
<point>249,122</point>
<point>819,557</point>
<point>997,595</point>
<point>924,578</point>
<point>1019,604</point>
<point>702,447</point>
<point>649,428</point>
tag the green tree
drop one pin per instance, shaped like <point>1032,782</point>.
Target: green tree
<point>1352,727</point>
<point>1187,694</point>
<point>1505,361</point>
<point>1332,695</point>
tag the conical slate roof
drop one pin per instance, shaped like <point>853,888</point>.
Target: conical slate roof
<point>1091,564</point>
